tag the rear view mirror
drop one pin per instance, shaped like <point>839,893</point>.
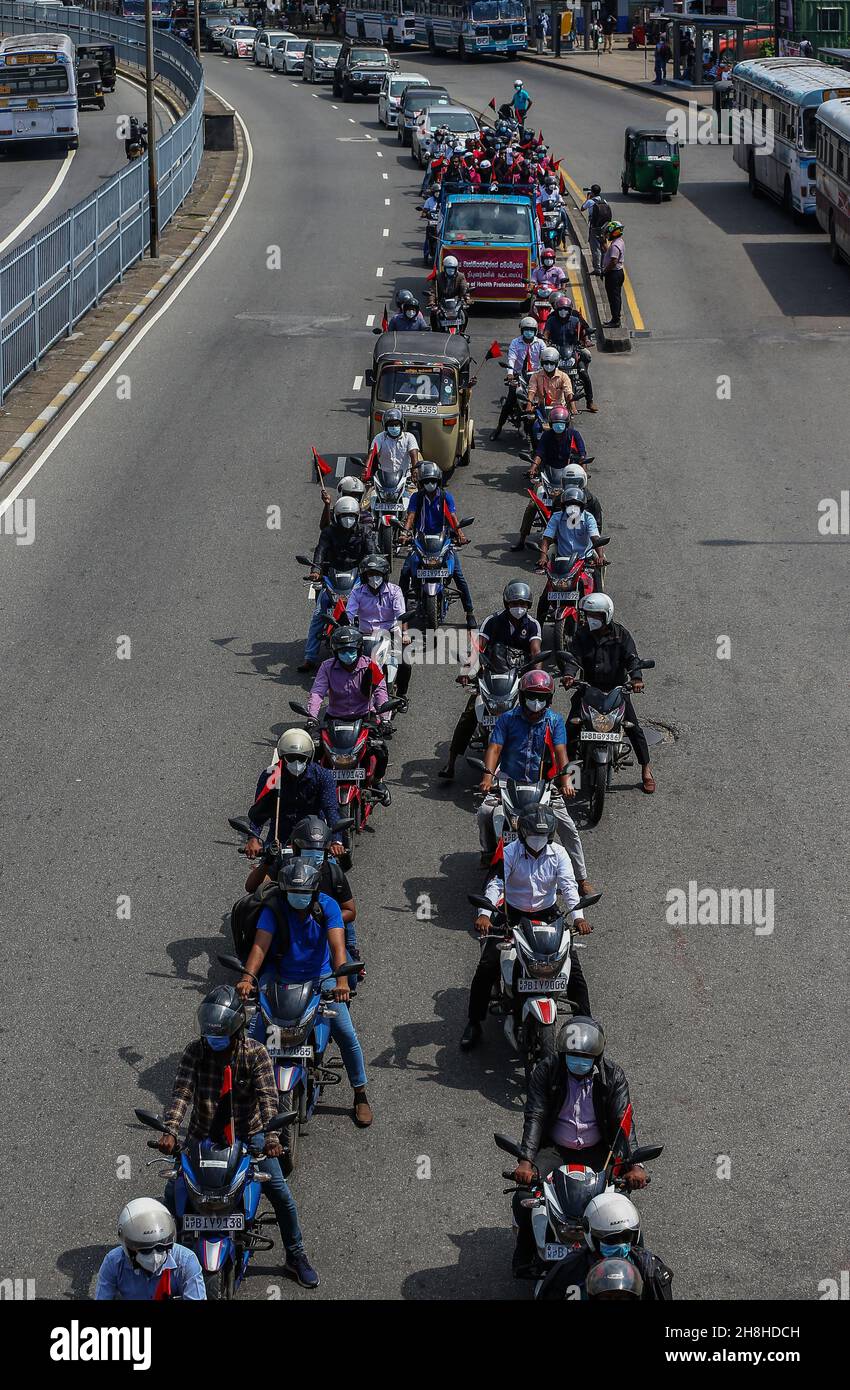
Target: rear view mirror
<point>240,824</point>
<point>478,900</point>
<point>507,1145</point>
<point>466,521</point>
<point>299,709</point>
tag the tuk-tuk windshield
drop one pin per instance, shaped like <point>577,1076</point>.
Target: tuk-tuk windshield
<point>489,220</point>
<point>654,147</point>
<point>409,385</point>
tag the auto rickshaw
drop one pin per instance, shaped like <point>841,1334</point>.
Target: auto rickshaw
<point>89,85</point>
<point>104,54</point>
<point>650,162</point>
<point>426,376</point>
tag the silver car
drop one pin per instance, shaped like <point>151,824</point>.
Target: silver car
<point>288,55</point>
<point>320,60</point>
<point>391,93</point>
<point>265,42</point>
<point>459,122</point>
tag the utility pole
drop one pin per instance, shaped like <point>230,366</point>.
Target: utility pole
<point>198,30</point>
<point>153,202</point>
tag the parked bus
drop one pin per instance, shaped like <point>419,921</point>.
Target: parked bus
<point>471,28</point>
<point>38,89</point>
<point>782,96</point>
<point>391,22</point>
<point>833,169</point>
<point>135,9</point>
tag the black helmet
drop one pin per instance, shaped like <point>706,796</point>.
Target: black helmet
<point>517,591</point>
<point>375,564</point>
<point>582,1036</point>
<point>573,496</point>
<point>411,305</point>
<point>299,876</point>
<point>614,1278</point>
<point>346,639</point>
<point>537,820</point>
<point>222,1013</point>
<point>430,473</point>
<point>404,297</point>
<point>310,833</point>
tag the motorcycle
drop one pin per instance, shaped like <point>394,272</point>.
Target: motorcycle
<point>514,798</point>
<point>570,364</point>
<point>568,579</point>
<point>432,235</point>
<point>434,560</point>
<point>541,305</point>
<point>534,977</point>
<point>136,143</point>
<point>296,1018</point>
<point>391,493</point>
<point>500,669</point>
<point>518,413</point>
<point>603,745</point>
<point>450,316</point>
<point>337,584</point>
<point>216,1195</point>
<point>551,229</point>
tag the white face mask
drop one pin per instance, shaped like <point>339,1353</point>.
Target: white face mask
<point>535,706</point>
<point>151,1261</point>
<point>595,624</point>
<point>537,843</point>
<point>347,521</point>
<point>517,613</point>
<point>374,581</point>
<point>549,368</point>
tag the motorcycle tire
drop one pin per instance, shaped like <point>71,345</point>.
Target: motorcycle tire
<point>597,785</point>
<point>293,1132</point>
<point>431,611</point>
<point>541,1043</point>
<point>219,1284</point>
<point>385,543</point>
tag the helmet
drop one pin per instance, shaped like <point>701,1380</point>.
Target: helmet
<point>310,833</point>
<point>550,356</point>
<point>299,876</point>
<point>575,475</point>
<point>613,228</point>
<point>559,415</point>
<point>549,181</point>
<point>295,743</point>
<point>560,301</point>
<point>375,564</point>
<point>351,487</point>
<point>393,416</point>
<point>536,691</point>
<point>548,254</point>
<point>611,1220</point>
<point>344,507</point>
<point>485,164</point>
<point>597,606</point>
<point>614,1278</point>
<point>222,1013</point>
<point>582,1036</point>
<point>573,497</point>
<point>537,820</point>
<point>450,264</point>
<point>430,473</point>
<point>146,1227</point>
<point>516,591</point>
<point>527,321</point>
<point>411,306</point>
<point>346,639</point>
<point>517,85</point>
<point>403,297</point>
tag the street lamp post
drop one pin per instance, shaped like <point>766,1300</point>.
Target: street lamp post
<point>153,202</point>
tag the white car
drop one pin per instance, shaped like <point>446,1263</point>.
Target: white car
<point>459,122</point>
<point>265,42</point>
<point>391,93</point>
<point>288,55</point>
<point>237,41</point>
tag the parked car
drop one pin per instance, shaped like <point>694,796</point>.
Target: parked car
<point>288,55</point>
<point>392,91</point>
<point>319,60</point>
<point>457,119</point>
<point>360,69</point>
<point>413,103</point>
<point>265,44</point>
<point>237,41</point>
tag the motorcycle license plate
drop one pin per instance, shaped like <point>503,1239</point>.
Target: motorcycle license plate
<point>294,1054</point>
<point>562,596</point>
<point>556,1252</point>
<point>556,986</point>
<point>591,736</point>
<point>349,774</point>
<point>487,721</point>
<point>433,574</point>
<point>234,1222</point>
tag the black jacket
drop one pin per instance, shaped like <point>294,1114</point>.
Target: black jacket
<point>547,1090</point>
<point>607,657</point>
<point>343,549</point>
<point>572,1272</point>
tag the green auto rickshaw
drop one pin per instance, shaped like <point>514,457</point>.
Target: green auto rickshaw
<point>650,162</point>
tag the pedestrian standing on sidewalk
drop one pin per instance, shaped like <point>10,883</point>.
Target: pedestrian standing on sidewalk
<point>662,58</point>
<point>614,270</point>
<point>598,213</point>
<point>609,25</point>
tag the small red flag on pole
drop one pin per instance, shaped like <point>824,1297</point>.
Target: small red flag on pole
<point>370,463</point>
<point>322,468</point>
<point>492,103</point>
<point>385,323</point>
<point>493,350</point>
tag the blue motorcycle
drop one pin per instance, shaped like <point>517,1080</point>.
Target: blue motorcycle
<point>217,1191</point>
<point>433,572</point>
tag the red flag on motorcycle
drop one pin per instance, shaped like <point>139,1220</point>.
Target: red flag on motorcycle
<point>447,512</point>
<point>540,137</point>
<point>385,323</point>
<point>494,350</point>
<point>227,1098</point>
<point>528,366</point>
<point>562,183</point>
<point>618,1158</point>
<point>163,1287</point>
<point>370,463</point>
<point>492,102</point>
<point>272,784</point>
<point>432,274</point>
<point>544,510</point>
<point>499,853</point>
<point>322,468</point>
<point>550,771</point>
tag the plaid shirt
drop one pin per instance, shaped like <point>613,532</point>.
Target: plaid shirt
<point>198,1084</point>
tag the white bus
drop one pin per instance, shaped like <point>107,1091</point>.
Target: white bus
<point>387,21</point>
<point>782,96</point>
<point>833,182</point>
<point>471,28</point>
<point>38,89</point>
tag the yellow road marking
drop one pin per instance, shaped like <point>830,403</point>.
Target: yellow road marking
<point>628,288</point>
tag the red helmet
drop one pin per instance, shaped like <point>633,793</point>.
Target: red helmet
<point>558,415</point>
<point>537,683</point>
<point>560,301</point>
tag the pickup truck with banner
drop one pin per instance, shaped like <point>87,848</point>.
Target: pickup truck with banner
<point>495,238</point>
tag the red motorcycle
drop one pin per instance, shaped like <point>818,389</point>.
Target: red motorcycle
<point>567,582</point>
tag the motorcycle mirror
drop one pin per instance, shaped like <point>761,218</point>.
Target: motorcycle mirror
<point>602,540</point>
<point>340,825</point>
<point>152,1121</point>
<point>390,706</point>
<point>478,900</point>
<point>645,1153</point>
<point>299,709</point>
<point>352,968</point>
<point>286,1117</point>
<point>466,521</point>
<point>377,332</point>
<point>507,1145</point>
<point>239,823</point>
<point>646,665</point>
<point>369,377</point>
<point>357,459</point>
<point>234,963</point>
<point>541,656</point>
<point>476,762</point>
<point>303,560</point>
<point>587,460</point>
<point>590,900</point>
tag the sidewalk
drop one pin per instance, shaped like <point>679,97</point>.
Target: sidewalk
<point>627,69</point>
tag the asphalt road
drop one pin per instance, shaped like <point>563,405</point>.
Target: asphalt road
<point>28,173</point>
<point>118,775</point>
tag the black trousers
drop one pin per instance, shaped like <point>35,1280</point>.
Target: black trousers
<point>551,1157</point>
<point>402,680</point>
<point>464,729</point>
<point>487,973</point>
<point>635,735</point>
<point>614,290</point>
<point>509,405</point>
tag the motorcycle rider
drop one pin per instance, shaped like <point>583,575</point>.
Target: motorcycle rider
<point>557,448</point>
<point>523,356</point>
<point>342,545</point>
<point>612,1232</point>
<point>306,938</point>
<point>547,387</point>
<point>355,688</point>
<point>548,272</point>
<point>449,283</point>
<point>346,487</point>
<point>534,871</point>
<point>430,510</point>
<point>512,627</point>
<point>576,1101</point>
<point>605,652</point>
<point>408,320</point>
<point>377,605</point>
<point>550,200</point>
<point>302,788</point>
<point>396,448</point>
<point>567,331</point>
<point>573,529</point>
<point>528,743</point>
<point>223,1053</point>
<point>149,1264</point>
<point>575,475</point>
<point>612,1278</point>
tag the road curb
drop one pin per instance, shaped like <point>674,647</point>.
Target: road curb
<point>46,417</point>
<point>662,94</point>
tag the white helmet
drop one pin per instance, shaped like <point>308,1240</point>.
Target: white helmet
<point>610,1220</point>
<point>450,263</point>
<point>345,507</point>
<point>575,475</point>
<point>550,357</point>
<point>527,321</point>
<point>147,1232</point>
<point>295,743</point>
<point>597,606</point>
<point>351,487</point>
<point>517,85</point>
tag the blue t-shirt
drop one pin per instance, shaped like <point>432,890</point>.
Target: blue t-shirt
<point>308,955</point>
<point>571,539</point>
<point>523,744</point>
<point>521,101</point>
<point>432,516</point>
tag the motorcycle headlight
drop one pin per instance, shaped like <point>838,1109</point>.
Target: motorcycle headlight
<point>343,759</point>
<point>433,560</point>
<point>603,723</point>
<point>545,969</point>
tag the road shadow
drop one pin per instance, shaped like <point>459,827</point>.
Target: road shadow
<point>80,1266</point>
<point>482,1272</point>
<point>730,206</point>
<point>268,659</point>
<point>156,1080</point>
<point>801,278</point>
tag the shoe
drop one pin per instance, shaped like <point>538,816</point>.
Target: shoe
<point>612,324</point>
<point>381,792</point>
<point>404,704</point>
<point>471,620</point>
<point>362,1110</point>
<point>470,1037</point>
<point>447,773</point>
<point>520,545</point>
<point>302,1271</point>
<point>306,666</point>
<point>593,409</point>
<point>648,782</point>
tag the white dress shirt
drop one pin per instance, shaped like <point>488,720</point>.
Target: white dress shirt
<point>531,884</point>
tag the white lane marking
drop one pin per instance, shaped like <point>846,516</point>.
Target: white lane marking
<point>340,465</point>
<point>358,382</point>
<point>370,137</point>
<point>351,120</point>
<point>378,153</point>
<point>145,329</point>
<point>385,176</point>
<point>315,96</point>
<point>334,108</point>
<point>386,231</point>
<point>370,321</point>
<point>51,193</point>
<point>379,272</point>
<point>386,202</point>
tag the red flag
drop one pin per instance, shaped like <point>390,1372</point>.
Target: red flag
<point>227,1091</point>
<point>338,609</point>
<point>540,138</point>
<point>547,399</point>
<point>528,367</point>
<point>447,512</point>
<point>272,782</point>
<point>562,183</point>
<point>545,511</point>
<point>618,1158</point>
<point>385,323</point>
<point>550,772</point>
<point>432,274</point>
<point>322,468</point>
<point>370,463</point>
<point>492,102</point>
<point>499,854</point>
<point>493,350</point>
<point>163,1287</point>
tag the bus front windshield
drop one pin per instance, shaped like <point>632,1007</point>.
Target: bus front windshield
<point>497,9</point>
<point>487,219</point>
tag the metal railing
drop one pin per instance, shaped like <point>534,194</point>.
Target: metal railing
<point>48,282</point>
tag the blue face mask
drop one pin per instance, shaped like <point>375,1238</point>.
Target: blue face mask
<point>348,658</point>
<point>394,431</point>
<point>580,1066</point>
<point>300,901</point>
<point>314,856</point>
<point>558,427</point>
<point>217,1044</point>
<point>620,1251</point>
<point>528,335</point>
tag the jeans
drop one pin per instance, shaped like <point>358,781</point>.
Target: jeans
<point>278,1192</point>
<point>405,580</point>
<point>342,1033</point>
<point>660,71</point>
<point>566,828</point>
<point>312,649</point>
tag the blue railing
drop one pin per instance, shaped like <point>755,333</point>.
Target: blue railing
<point>48,282</point>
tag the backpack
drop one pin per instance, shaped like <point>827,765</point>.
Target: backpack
<point>245,914</point>
<point>601,213</point>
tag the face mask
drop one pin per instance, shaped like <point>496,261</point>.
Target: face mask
<point>151,1261</point>
<point>295,765</point>
<point>558,426</point>
<point>537,843</point>
<point>410,313</point>
<point>430,488</point>
<point>347,521</point>
<point>572,514</point>
<point>547,265</point>
<point>450,271</point>
<point>348,658</point>
<point>217,1044</point>
<point>517,613</point>
<point>374,582</point>
<point>620,1251</point>
<point>528,335</point>
<point>535,706</point>
<point>580,1066</point>
<point>300,901</point>
<point>313,856</point>
<point>594,624</point>
<point>549,367</point>
<point>394,431</point>
<point>563,313</point>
